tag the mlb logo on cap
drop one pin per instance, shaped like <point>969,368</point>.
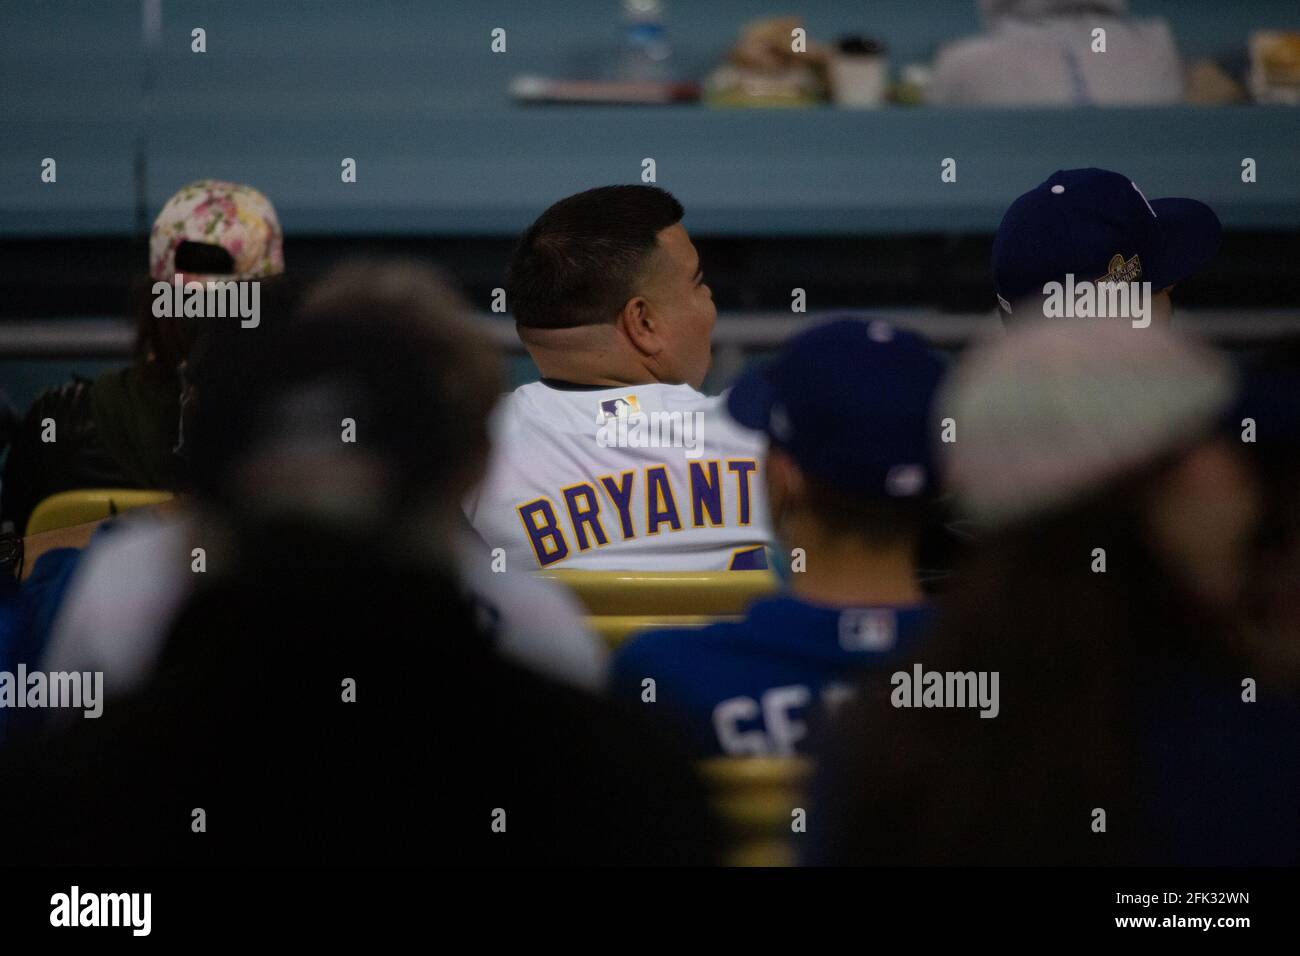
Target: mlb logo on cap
<point>1096,225</point>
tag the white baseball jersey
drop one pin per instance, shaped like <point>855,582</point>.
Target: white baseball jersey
<point>644,477</point>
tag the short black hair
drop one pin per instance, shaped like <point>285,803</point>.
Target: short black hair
<point>577,263</point>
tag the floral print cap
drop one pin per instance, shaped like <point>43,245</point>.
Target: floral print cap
<point>236,217</point>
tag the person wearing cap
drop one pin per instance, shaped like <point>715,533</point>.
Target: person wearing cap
<point>1120,515</point>
<point>851,479</point>
<point>1083,227</point>
<point>124,429</point>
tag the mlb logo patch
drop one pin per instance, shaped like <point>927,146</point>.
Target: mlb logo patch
<point>868,629</point>
<point>619,407</point>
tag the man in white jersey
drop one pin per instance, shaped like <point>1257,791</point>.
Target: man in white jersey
<point>615,459</point>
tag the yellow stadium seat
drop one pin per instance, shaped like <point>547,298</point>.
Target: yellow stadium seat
<point>619,603</point>
<point>757,799</point>
<point>614,629</point>
<point>68,508</point>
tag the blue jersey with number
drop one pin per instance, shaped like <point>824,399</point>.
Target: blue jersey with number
<point>751,687</point>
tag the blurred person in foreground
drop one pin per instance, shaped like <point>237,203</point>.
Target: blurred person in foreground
<point>1135,726</point>
<point>124,429</point>
<point>1042,53</point>
<point>326,695</point>
<point>130,585</point>
<point>1269,414</point>
<point>597,464</point>
<point>846,408</point>
<point>1082,228</point>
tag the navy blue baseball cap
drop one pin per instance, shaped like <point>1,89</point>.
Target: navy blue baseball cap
<point>1097,224</point>
<point>850,400</point>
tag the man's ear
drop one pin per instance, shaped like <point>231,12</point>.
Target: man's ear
<point>640,327</point>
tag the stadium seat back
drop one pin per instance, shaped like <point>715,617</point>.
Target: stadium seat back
<point>619,603</point>
<point>759,800</point>
<point>68,508</point>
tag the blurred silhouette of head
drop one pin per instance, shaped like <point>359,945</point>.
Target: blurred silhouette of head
<point>365,417</point>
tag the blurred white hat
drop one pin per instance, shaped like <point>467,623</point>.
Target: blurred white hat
<point>1058,408</point>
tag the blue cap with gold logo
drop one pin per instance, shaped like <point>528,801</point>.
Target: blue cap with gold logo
<point>1097,225</point>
